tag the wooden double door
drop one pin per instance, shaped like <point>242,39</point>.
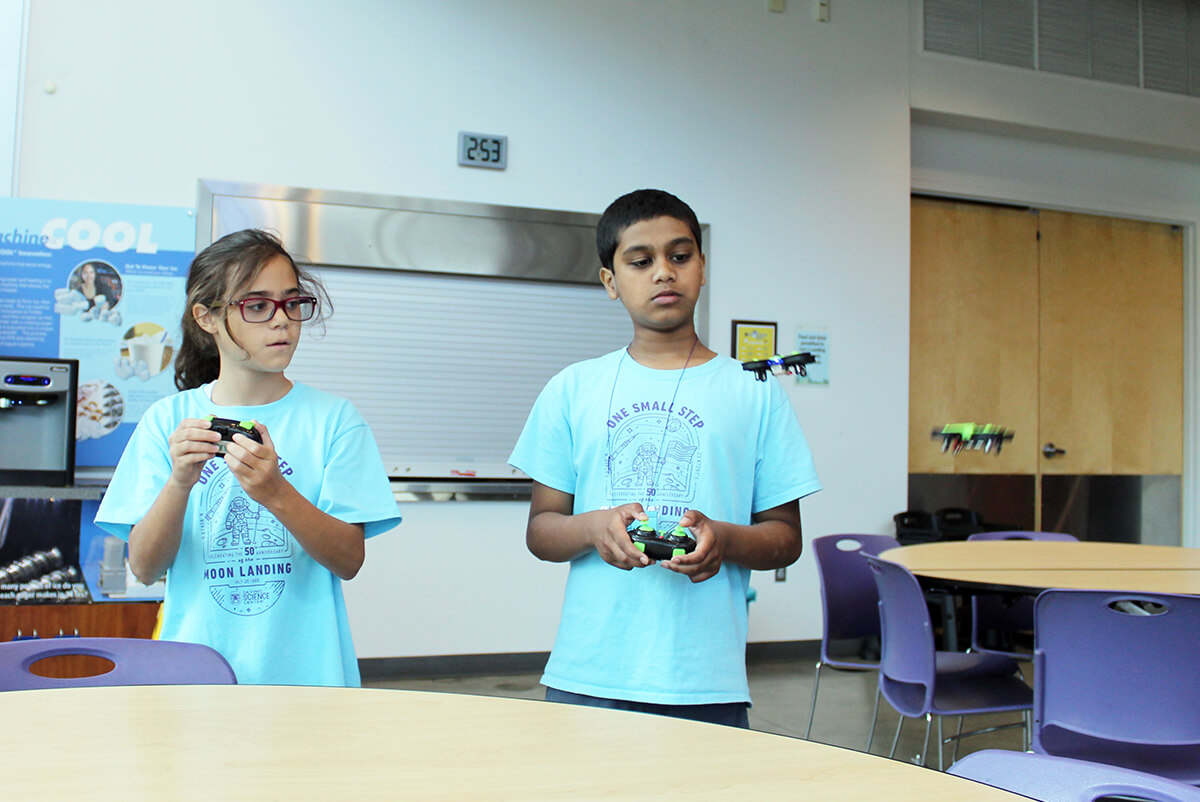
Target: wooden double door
<point>1066,329</point>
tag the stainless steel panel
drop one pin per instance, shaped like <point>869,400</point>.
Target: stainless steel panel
<point>463,490</point>
<point>1002,501</point>
<point>1121,509</point>
<point>395,232</point>
<point>400,233</point>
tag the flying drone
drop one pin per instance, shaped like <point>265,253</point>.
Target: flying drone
<point>957,436</point>
<point>777,365</point>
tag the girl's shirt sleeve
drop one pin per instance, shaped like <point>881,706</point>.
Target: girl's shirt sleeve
<point>355,486</point>
<point>140,476</point>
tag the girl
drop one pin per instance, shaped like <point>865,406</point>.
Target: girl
<point>87,283</point>
<point>254,543</point>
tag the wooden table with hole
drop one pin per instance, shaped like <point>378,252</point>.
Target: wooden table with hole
<point>299,743</point>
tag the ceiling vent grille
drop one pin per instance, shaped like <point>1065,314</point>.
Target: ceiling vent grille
<point>1153,44</point>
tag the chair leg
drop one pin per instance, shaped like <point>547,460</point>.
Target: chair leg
<point>941,747</point>
<point>874,719</point>
<point>950,624</point>
<point>957,741</point>
<point>812,710</point>
<point>896,739</point>
<point>925,750</point>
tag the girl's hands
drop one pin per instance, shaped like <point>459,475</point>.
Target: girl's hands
<point>191,445</point>
<point>255,465</point>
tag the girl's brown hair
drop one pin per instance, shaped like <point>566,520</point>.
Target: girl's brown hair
<point>215,276</point>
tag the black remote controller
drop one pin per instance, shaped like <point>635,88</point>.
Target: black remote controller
<point>658,546</point>
<point>227,428</point>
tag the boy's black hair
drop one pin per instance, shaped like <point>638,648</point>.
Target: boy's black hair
<point>634,207</point>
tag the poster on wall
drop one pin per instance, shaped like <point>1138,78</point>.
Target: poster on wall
<point>816,342</point>
<point>753,340</point>
<point>104,284</point>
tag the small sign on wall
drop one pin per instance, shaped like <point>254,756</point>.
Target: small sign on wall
<point>816,342</point>
<point>753,340</point>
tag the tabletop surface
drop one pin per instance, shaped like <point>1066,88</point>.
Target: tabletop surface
<point>270,742</point>
<point>1033,564</point>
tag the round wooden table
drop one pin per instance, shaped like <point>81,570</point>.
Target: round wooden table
<point>295,743</point>
<point>1034,565</point>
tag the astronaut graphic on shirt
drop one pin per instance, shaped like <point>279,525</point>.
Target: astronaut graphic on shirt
<point>239,524</point>
<point>655,459</point>
<point>247,551</point>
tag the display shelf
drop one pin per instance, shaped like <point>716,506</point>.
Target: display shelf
<point>81,492</point>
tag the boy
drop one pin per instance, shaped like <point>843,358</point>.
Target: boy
<point>665,432</point>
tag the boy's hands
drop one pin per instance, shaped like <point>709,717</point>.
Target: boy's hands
<point>772,541</point>
<point>705,560</point>
<point>612,541</point>
<point>556,534</point>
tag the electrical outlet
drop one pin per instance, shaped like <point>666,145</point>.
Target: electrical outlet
<point>822,10</point>
<point>780,574</point>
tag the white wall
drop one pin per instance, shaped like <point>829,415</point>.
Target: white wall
<point>12,25</point>
<point>790,137</point>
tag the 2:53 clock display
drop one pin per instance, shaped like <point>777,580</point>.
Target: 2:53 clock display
<point>482,150</point>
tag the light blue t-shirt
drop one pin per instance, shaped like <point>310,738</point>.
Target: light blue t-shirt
<point>611,431</point>
<point>240,582</point>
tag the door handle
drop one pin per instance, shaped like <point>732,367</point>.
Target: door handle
<point>1049,451</point>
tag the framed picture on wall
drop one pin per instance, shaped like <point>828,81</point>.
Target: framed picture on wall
<point>752,339</point>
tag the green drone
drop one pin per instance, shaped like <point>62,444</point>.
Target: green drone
<point>957,436</point>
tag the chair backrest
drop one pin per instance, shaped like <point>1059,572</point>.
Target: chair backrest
<point>956,523</point>
<point>136,661</point>
<point>849,599</point>
<point>1067,779</point>
<point>1020,534</point>
<point>908,661</point>
<point>996,613</point>
<point>1117,666</point>
<point>916,526</point>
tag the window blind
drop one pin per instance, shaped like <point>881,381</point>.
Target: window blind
<point>446,368</point>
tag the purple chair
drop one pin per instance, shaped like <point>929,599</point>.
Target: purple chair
<point>849,605</point>
<point>1067,780</point>
<point>136,661</point>
<point>917,680</point>
<point>1022,534</point>
<point>1005,616</point>
<point>957,523</point>
<point>1115,680</point>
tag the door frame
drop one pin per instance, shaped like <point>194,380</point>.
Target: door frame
<point>964,176</point>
